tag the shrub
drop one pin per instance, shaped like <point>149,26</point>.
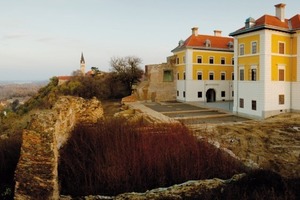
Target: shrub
<point>116,156</point>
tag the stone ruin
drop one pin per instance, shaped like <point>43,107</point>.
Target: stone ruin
<point>37,170</point>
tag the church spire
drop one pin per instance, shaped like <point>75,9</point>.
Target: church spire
<point>82,59</point>
<point>82,64</point>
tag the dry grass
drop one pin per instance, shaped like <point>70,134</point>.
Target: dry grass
<point>115,156</point>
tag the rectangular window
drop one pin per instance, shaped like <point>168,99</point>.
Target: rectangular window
<point>199,94</point>
<point>254,47</point>
<point>183,75</point>
<point>232,61</point>
<point>241,74</point>
<point>223,61</point>
<point>232,76</point>
<point>232,93</point>
<point>168,76</point>
<point>222,93</point>
<point>211,76</point>
<point>199,75</point>
<point>241,103</point>
<point>281,74</point>
<point>177,76</point>
<point>242,49</point>
<point>223,76</point>
<point>177,93</point>
<point>183,93</point>
<point>199,59</point>
<point>253,74</point>
<point>211,60</point>
<point>281,99</point>
<point>281,47</point>
<point>253,105</point>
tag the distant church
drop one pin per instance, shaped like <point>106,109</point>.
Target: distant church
<point>82,64</point>
<point>63,79</point>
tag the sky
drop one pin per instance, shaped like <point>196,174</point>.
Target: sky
<point>40,39</point>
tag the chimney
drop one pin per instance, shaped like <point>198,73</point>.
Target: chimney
<point>218,33</point>
<point>280,11</point>
<point>195,31</point>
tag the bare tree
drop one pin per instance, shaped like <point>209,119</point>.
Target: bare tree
<point>127,70</point>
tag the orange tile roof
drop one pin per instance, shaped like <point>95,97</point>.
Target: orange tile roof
<point>65,78</point>
<point>268,21</point>
<point>216,42</point>
<point>295,22</point>
<point>272,21</point>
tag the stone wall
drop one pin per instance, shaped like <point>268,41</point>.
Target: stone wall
<point>156,87</point>
<point>36,174</point>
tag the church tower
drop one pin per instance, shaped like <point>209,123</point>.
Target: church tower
<point>82,64</point>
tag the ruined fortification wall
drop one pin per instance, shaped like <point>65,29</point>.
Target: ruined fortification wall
<point>156,87</point>
<point>36,174</point>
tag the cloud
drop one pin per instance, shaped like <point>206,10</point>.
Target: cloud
<point>13,36</point>
<point>45,39</point>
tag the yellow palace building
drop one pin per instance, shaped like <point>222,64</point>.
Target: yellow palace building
<point>267,65</point>
<point>204,67</point>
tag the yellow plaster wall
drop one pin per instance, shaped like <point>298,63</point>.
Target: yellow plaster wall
<point>247,62</point>
<point>217,57</point>
<point>288,60</point>
<point>290,67</point>
<point>180,70</point>
<point>217,67</point>
<point>205,69</point>
<point>247,43</point>
<point>280,38</point>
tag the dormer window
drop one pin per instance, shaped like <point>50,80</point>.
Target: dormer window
<point>207,43</point>
<point>230,45</point>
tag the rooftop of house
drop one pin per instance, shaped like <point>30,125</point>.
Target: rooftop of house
<point>276,22</point>
<point>208,42</point>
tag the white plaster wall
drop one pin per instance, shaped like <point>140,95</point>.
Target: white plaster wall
<point>250,90</point>
<point>180,87</point>
<point>236,76</point>
<point>295,96</point>
<point>196,86</point>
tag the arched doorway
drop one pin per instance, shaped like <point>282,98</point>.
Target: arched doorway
<point>211,95</point>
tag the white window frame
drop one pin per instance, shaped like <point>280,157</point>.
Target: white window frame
<point>201,59</point>
<point>213,73</point>
<point>213,59</point>
<point>253,48</point>
<point>282,67</point>
<point>284,47</point>
<point>240,52</point>
<point>241,68</point>
<point>224,76</point>
<point>223,58</point>
<point>253,67</point>
<point>200,72</point>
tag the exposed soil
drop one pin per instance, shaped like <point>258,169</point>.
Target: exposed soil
<point>273,143</point>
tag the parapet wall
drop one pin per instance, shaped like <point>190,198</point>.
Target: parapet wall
<point>36,174</point>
